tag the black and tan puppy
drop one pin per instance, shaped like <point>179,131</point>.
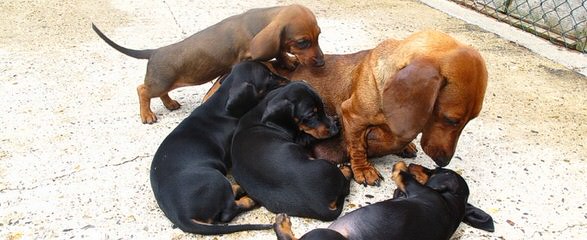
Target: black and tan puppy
<point>425,212</point>
<point>189,168</point>
<point>257,34</point>
<point>271,163</point>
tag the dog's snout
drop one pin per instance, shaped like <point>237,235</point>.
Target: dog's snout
<point>334,129</point>
<point>442,161</point>
<point>319,61</point>
<point>441,155</point>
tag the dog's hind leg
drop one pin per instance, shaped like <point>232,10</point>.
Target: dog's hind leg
<point>147,116</point>
<point>157,84</point>
<point>239,206</point>
<point>168,102</point>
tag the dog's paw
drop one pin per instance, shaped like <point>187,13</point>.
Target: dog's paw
<point>367,175</point>
<point>282,227</point>
<point>399,166</point>
<point>346,171</point>
<point>172,105</point>
<point>282,221</point>
<point>246,203</point>
<point>238,191</point>
<point>410,151</point>
<point>397,177</point>
<point>148,117</point>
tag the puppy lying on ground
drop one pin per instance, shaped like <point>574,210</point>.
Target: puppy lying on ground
<point>188,171</point>
<point>271,164</point>
<point>426,212</point>
<point>258,34</point>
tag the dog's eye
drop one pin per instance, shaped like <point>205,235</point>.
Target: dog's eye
<point>451,121</point>
<point>303,43</point>
<point>309,117</point>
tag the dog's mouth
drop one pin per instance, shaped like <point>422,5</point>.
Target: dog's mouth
<point>314,61</point>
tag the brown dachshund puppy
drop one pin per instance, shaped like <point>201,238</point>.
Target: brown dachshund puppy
<point>258,34</point>
<point>428,83</point>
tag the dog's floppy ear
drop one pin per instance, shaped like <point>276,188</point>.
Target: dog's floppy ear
<point>477,218</point>
<point>409,97</point>
<point>278,109</point>
<point>442,188</point>
<point>266,44</point>
<point>241,99</point>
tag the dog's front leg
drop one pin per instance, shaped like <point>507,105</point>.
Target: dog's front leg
<point>355,126</point>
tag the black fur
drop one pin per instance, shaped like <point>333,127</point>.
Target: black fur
<point>189,168</point>
<point>273,167</point>
<point>424,212</point>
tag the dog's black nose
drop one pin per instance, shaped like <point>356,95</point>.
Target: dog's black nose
<point>319,62</point>
<point>442,161</point>
<point>333,128</point>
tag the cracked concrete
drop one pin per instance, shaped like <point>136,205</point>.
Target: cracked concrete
<point>74,157</point>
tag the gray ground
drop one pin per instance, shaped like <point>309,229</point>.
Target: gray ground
<point>74,157</point>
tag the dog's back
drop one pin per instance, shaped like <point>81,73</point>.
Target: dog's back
<point>191,159</point>
<point>275,170</point>
<point>425,218</point>
<point>339,69</point>
<point>188,170</point>
<point>199,141</point>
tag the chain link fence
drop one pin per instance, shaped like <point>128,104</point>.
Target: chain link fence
<point>563,22</point>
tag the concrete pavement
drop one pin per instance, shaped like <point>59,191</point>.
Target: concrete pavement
<point>74,157</point>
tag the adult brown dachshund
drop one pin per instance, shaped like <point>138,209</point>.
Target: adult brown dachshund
<point>428,83</point>
<point>258,34</point>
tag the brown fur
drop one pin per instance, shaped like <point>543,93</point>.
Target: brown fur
<point>428,83</point>
<point>258,34</point>
<point>397,177</point>
<point>420,173</point>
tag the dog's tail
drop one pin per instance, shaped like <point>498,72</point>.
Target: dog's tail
<point>215,229</point>
<point>140,54</point>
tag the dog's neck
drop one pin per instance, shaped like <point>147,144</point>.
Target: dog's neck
<point>222,93</point>
<point>289,129</point>
<point>456,206</point>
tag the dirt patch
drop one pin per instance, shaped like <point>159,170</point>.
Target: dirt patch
<point>52,24</point>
